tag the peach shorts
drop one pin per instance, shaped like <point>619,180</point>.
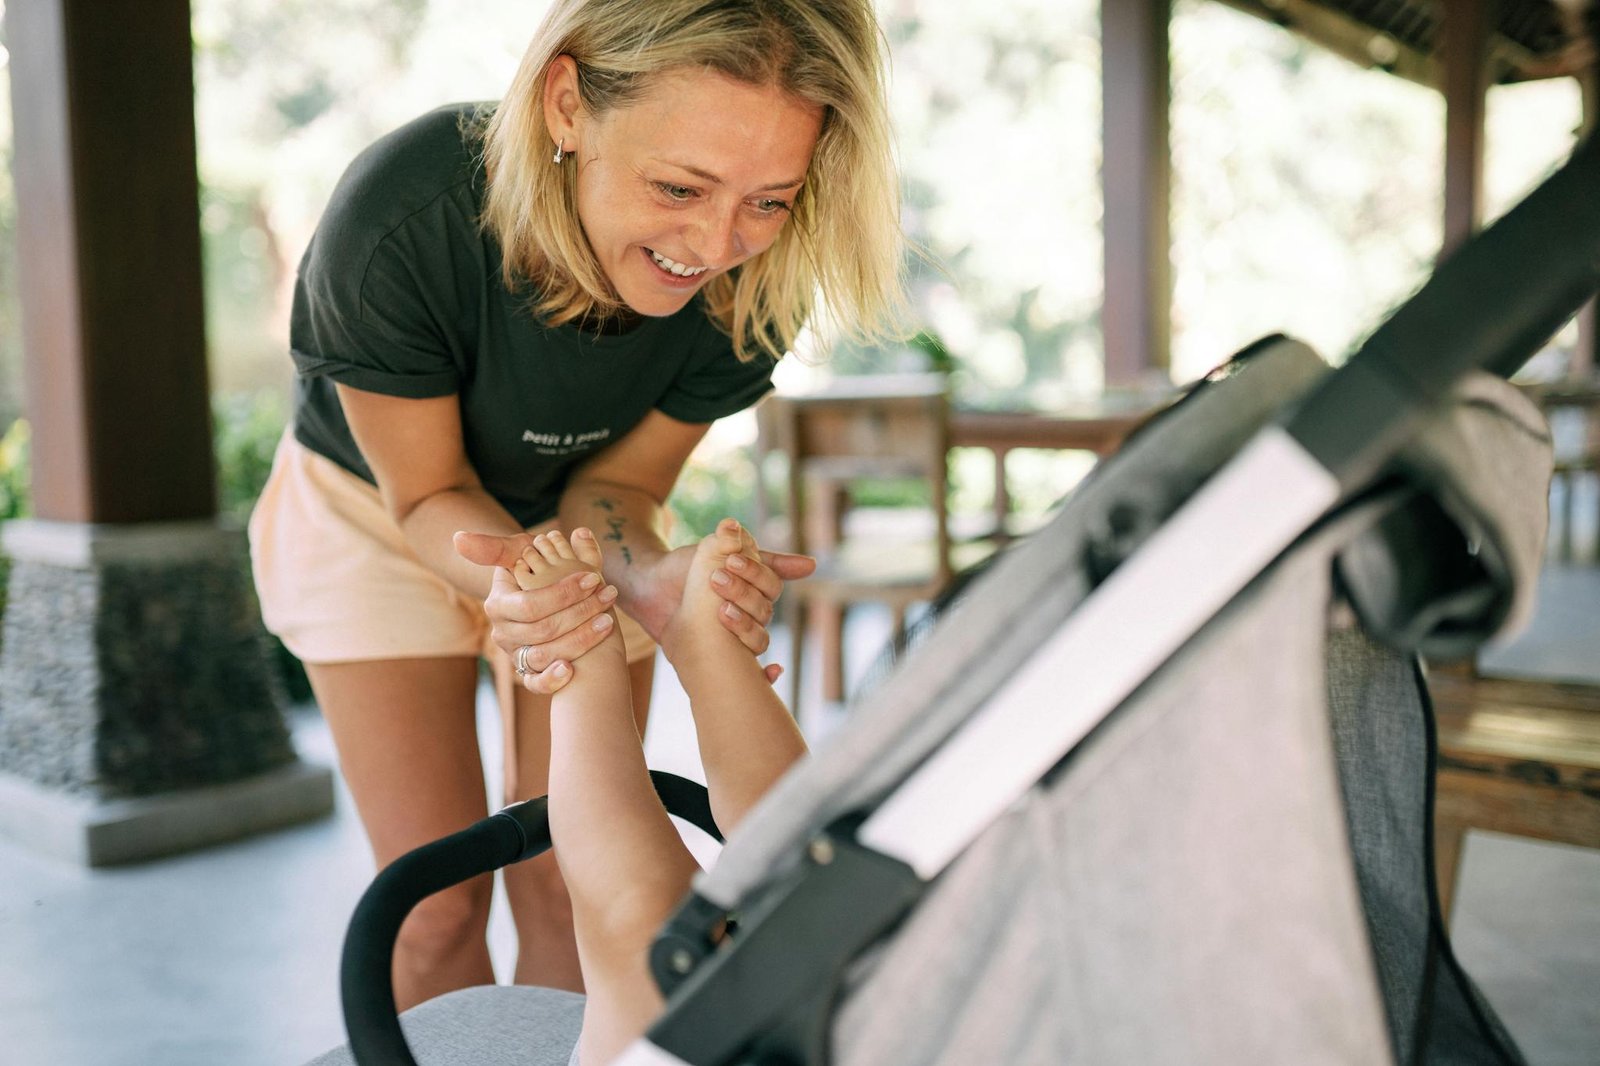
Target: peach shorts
<point>338,583</point>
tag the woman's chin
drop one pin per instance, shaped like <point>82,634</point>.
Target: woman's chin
<point>657,303</point>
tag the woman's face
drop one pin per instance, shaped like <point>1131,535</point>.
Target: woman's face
<point>690,180</point>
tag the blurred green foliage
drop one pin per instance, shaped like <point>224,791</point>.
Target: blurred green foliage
<point>16,498</point>
<point>716,484</point>
<point>246,428</point>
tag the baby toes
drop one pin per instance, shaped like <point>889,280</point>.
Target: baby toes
<point>730,536</point>
<point>559,545</point>
<point>546,549</point>
<point>586,547</point>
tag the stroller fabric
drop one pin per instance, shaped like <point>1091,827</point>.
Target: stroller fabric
<point>1186,889</point>
<point>1235,866</point>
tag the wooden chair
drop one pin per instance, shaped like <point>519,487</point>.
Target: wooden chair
<point>881,429</point>
<point>1517,757</point>
<point>1573,410</point>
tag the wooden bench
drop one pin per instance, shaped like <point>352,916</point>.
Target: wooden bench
<point>1518,757</point>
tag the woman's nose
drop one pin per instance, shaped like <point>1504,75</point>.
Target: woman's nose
<point>719,241</point>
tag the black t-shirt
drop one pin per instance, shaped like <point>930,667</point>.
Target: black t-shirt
<point>401,293</point>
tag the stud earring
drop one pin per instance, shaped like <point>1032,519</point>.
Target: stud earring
<point>560,154</point>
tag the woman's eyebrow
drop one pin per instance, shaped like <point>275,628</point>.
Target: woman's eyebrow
<point>706,175</point>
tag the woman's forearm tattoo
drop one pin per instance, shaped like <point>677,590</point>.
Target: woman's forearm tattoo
<point>615,524</point>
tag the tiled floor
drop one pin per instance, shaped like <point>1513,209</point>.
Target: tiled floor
<point>229,957</point>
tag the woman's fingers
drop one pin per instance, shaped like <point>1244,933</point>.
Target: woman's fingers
<point>550,680</point>
<point>751,633</point>
<point>788,566</point>
<point>550,617</point>
<point>568,646</point>
<point>742,593</point>
<point>490,549</point>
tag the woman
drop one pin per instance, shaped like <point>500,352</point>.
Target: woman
<point>515,320</point>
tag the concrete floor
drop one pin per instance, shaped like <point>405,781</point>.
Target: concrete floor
<point>230,956</point>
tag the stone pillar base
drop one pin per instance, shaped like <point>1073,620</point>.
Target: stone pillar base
<point>95,832</point>
<point>139,712</point>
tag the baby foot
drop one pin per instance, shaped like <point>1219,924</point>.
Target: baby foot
<point>700,600</point>
<point>552,557</point>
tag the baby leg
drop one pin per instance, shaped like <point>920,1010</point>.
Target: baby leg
<point>623,861</point>
<point>747,738</point>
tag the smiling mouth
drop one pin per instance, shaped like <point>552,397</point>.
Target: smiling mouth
<point>673,267</point>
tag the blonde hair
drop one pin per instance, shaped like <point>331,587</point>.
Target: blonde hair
<point>842,247</point>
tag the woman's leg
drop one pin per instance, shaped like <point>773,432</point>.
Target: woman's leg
<point>540,908</point>
<point>408,750</point>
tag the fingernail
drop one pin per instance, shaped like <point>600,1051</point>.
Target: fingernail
<point>608,594</point>
<point>732,612</point>
<point>589,581</point>
<point>602,623</point>
<point>737,562</point>
<point>560,669</point>
<point>720,577</point>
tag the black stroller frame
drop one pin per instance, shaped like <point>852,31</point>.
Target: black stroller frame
<point>763,995</point>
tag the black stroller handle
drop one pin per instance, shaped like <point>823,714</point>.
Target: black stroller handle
<point>1489,306</point>
<point>520,831</point>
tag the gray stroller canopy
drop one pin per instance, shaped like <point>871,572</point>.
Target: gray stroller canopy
<point>1157,787</point>
<point>1235,866</point>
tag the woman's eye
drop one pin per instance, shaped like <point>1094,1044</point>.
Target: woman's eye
<point>675,192</point>
<point>772,207</point>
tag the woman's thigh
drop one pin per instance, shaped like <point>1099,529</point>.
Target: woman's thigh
<point>407,738</point>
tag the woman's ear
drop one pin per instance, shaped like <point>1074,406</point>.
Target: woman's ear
<point>563,104</point>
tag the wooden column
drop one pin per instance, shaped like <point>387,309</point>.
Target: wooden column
<point>1463,57</point>
<point>138,711</point>
<point>1136,177</point>
<point>108,232</point>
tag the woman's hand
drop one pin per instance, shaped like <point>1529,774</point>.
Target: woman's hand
<point>555,624</point>
<point>749,590</point>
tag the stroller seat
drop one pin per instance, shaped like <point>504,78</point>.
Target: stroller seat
<point>501,1024</point>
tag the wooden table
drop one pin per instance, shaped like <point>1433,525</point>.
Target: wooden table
<point>1099,428</point>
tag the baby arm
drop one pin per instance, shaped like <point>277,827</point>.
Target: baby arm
<point>747,737</point>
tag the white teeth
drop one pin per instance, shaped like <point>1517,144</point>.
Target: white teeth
<point>674,266</point>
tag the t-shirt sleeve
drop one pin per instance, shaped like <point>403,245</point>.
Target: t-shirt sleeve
<point>714,383</point>
<point>366,315</point>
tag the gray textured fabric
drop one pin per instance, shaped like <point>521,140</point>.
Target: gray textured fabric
<point>1442,574</point>
<point>491,1025</point>
<point>955,669</point>
<point>1182,892</point>
<point>1235,867</point>
<point>1212,878</point>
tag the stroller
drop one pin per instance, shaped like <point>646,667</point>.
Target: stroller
<point>1174,805</point>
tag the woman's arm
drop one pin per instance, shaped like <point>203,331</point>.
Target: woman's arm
<point>620,494</point>
<point>415,450</point>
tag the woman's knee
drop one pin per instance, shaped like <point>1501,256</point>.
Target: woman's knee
<point>447,922</point>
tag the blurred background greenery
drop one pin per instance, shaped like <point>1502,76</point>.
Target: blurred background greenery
<point>1306,199</point>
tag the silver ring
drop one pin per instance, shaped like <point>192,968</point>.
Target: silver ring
<point>521,660</point>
